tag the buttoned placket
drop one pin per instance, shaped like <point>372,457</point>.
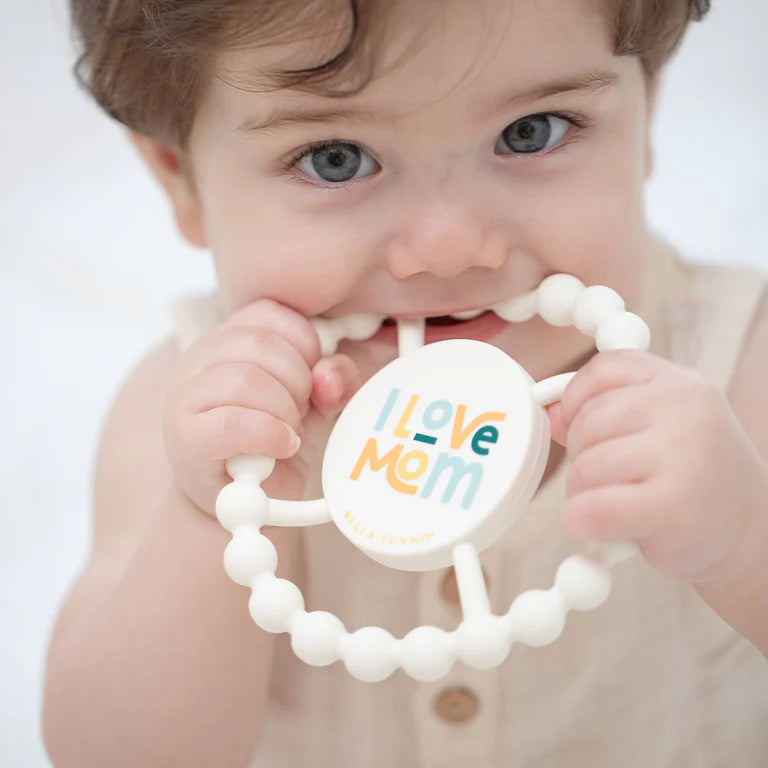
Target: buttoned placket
<point>457,716</point>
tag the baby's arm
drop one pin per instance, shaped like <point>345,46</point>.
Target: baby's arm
<point>661,457</point>
<point>154,660</point>
<point>739,593</point>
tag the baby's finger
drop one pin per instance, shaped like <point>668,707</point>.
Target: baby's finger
<point>609,415</point>
<point>227,430</point>
<point>244,385</point>
<point>334,380</point>
<point>259,347</point>
<point>556,424</point>
<point>607,370</point>
<point>269,314</point>
<point>615,462</point>
<point>608,512</point>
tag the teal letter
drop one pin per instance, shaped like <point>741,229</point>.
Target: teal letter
<point>486,435</point>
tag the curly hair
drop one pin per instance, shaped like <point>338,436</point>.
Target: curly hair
<point>145,62</point>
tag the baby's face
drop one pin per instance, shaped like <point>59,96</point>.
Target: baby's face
<point>458,177</point>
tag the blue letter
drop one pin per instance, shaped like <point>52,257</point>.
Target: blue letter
<point>456,463</point>
<point>387,409</point>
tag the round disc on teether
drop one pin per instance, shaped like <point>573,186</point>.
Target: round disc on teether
<point>443,446</point>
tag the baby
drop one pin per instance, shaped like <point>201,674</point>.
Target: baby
<point>416,160</point>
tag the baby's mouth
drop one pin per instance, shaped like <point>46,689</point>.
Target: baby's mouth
<point>483,325</point>
<point>479,324</point>
<point>442,320</point>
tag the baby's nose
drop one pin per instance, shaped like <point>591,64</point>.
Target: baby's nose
<point>444,241</point>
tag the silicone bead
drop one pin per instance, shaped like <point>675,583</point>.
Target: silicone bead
<point>556,298</point>
<point>370,654</point>
<point>427,653</point>
<point>483,642</point>
<point>249,554</point>
<point>331,330</point>
<point>248,467</point>
<point>610,553</point>
<point>327,333</point>
<point>624,330</point>
<point>273,601</point>
<point>242,502</point>
<point>315,637</point>
<point>360,326</point>
<point>594,306</point>
<point>518,309</point>
<point>537,616</point>
<point>583,583</point>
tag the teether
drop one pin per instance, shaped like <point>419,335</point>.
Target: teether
<point>430,463</point>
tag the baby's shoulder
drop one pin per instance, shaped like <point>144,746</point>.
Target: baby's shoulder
<point>131,463</point>
<point>130,475</point>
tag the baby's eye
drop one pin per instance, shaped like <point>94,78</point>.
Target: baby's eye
<point>336,161</point>
<point>531,134</point>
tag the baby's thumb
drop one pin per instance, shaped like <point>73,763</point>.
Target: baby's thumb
<point>334,380</point>
<point>557,425</point>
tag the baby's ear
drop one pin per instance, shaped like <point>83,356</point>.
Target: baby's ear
<point>166,163</point>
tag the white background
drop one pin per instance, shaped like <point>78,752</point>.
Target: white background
<point>89,261</point>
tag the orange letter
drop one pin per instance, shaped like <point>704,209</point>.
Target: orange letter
<point>400,430</point>
<point>370,452</point>
<point>412,474</point>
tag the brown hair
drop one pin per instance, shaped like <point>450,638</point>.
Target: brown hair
<point>146,61</point>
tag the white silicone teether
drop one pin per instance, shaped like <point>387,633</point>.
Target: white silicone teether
<point>460,483</point>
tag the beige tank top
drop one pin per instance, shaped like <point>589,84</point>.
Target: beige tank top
<point>652,679</point>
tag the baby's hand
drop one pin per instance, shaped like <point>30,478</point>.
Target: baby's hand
<point>252,385</point>
<point>659,458</point>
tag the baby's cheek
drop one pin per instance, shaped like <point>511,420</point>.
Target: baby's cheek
<point>608,243</point>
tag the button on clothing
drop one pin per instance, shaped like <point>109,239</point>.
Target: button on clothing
<point>651,679</point>
<point>456,705</point>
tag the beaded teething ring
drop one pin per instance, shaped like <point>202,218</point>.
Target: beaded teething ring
<point>475,473</point>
